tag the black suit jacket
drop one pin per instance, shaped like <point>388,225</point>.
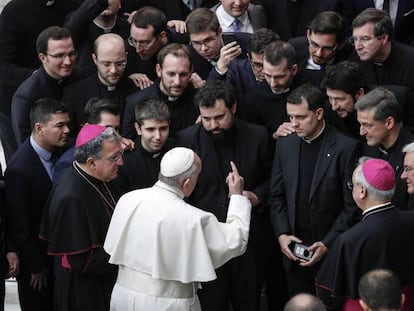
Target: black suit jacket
<point>183,112</point>
<point>247,148</point>
<point>76,95</point>
<point>314,77</point>
<point>38,85</point>
<point>331,207</point>
<point>404,20</point>
<point>277,12</point>
<point>27,188</point>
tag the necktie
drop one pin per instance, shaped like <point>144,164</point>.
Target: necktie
<point>236,25</point>
<point>322,67</point>
<point>386,6</point>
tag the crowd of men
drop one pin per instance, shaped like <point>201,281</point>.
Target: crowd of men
<point>207,155</point>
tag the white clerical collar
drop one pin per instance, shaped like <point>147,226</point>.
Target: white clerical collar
<point>311,65</point>
<point>319,134</point>
<point>168,188</point>
<point>378,207</point>
<point>227,20</point>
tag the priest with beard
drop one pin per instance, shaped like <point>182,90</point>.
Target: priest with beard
<point>218,139</point>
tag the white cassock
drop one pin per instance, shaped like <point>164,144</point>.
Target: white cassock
<point>164,247</point>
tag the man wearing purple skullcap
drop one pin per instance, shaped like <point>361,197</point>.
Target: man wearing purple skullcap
<point>383,239</point>
<point>77,217</point>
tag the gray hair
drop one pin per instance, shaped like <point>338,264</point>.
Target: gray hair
<point>408,148</point>
<point>176,181</point>
<point>383,102</point>
<point>379,195</point>
<point>93,148</point>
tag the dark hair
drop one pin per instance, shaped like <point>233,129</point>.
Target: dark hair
<point>381,20</point>
<point>310,93</point>
<point>213,90</point>
<point>328,22</point>
<point>381,290</point>
<point>95,106</point>
<point>201,20</point>
<point>43,110</point>
<point>176,49</point>
<point>276,51</point>
<point>50,33</point>
<point>345,76</point>
<point>260,39</point>
<point>152,108</point>
<point>150,16</point>
<point>383,102</point>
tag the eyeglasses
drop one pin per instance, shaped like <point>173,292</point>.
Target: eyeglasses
<point>324,49</point>
<point>143,44</point>
<point>119,65</point>
<point>362,40</point>
<point>207,41</point>
<point>407,169</point>
<point>116,157</point>
<point>350,185</point>
<point>256,65</point>
<point>62,56</point>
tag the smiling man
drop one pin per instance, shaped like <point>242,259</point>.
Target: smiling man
<point>383,60</point>
<point>408,173</point>
<point>76,219</point>
<point>57,53</point>
<point>379,115</point>
<point>174,69</point>
<point>344,84</point>
<point>240,16</point>
<point>323,45</point>
<point>108,81</point>
<point>28,180</point>
<point>142,165</point>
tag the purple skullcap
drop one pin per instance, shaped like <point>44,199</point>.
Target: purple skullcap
<point>87,133</point>
<point>379,174</point>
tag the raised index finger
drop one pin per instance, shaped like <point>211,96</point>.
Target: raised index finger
<point>234,168</point>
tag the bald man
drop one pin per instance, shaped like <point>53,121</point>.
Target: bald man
<point>108,81</point>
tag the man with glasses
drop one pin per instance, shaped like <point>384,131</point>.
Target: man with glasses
<point>382,240</point>
<point>210,47</point>
<point>408,173</point>
<point>266,102</point>
<point>383,60</point>
<point>57,53</point>
<point>323,45</point>
<point>108,82</point>
<point>76,219</point>
<point>148,35</point>
<point>244,74</point>
<point>380,117</point>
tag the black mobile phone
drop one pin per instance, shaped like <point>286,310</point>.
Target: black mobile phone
<point>227,38</point>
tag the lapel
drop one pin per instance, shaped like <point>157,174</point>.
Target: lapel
<point>326,154</point>
<point>294,154</point>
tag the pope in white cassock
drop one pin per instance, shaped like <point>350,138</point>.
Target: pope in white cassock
<point>164,247</point>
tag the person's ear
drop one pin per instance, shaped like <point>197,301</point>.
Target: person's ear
<point>137,128</point>
<point>363,305</point>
